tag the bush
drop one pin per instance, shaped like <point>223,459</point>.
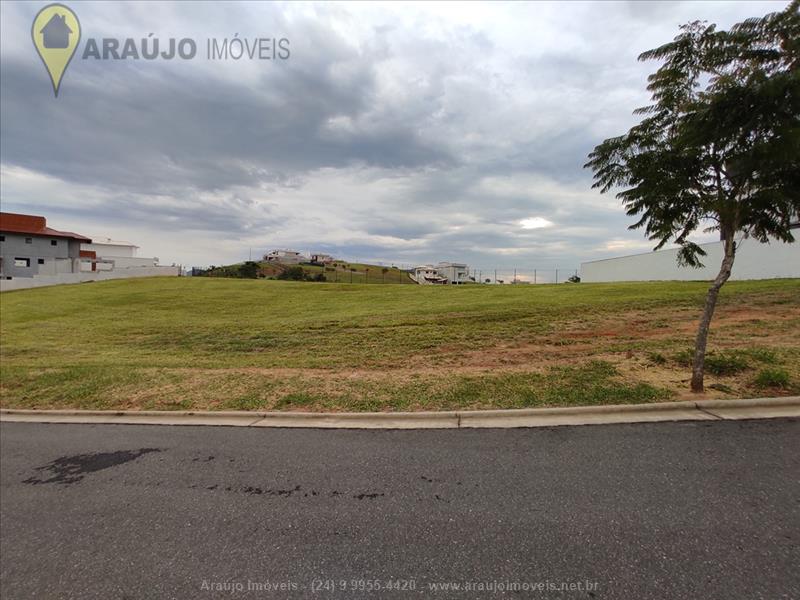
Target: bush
<point>725,364</point>
<point>657,358</point>
<point>249,270</point>
<point>293,274</point>
<point>298,274</point>
<point>772,378</point>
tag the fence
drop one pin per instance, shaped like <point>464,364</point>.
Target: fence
<point>500,276</point>
<point>522,276</point>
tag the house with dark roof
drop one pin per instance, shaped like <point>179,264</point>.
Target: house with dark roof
<point>29,247</point>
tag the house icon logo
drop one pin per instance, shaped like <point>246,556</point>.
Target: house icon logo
<point>56,32</point>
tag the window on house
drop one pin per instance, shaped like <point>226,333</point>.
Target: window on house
<point>41,261</point>
<point>28,240</point>
<point>53,242</point>
<point>22,262</point>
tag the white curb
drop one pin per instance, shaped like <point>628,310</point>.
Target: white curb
<point>701,410</point>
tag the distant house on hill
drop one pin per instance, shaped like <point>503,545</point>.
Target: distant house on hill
<point>323,259</point>
<point>285,257</point>
<point>454,272</point>
<point>427,275</point>
<point>443,273</point>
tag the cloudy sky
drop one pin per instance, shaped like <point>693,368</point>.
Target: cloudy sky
<point>401,133</point>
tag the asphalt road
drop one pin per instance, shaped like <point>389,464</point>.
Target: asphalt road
<point>679,510</point>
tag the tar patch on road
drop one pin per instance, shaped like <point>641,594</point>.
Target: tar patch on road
<point>71,469</point>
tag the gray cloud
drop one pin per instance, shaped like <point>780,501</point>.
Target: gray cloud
<point>406,134</point>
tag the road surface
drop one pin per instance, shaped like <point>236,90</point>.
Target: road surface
<point>671,510</point>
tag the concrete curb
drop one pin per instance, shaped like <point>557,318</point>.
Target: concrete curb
<point>701,410</point>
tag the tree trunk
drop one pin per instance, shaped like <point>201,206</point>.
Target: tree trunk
<point>698,368</point>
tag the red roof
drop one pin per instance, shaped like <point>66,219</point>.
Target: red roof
<point>33,225</point>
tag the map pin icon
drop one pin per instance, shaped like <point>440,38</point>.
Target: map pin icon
<point>56,32</point>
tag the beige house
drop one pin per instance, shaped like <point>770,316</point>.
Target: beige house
<point>324,259</point>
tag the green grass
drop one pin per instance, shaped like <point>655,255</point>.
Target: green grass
<point>247,344</point>
<point>772,378</point>
<point>728,362</point>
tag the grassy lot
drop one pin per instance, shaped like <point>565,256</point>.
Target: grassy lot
<point>210,343</point>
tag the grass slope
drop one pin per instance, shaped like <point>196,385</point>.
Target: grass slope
<point>244,344</point>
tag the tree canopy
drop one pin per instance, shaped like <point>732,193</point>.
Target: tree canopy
<point>719,147</point>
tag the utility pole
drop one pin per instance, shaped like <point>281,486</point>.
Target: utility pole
<point>556,275</point>
<point>515,276</point>
<point>495,275</point>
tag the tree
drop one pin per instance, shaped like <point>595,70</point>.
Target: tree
<point>719,147</point>
<point>249,270</point>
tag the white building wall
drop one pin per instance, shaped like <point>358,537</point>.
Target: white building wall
<point>754,260</point>
<point>119,262</point>
<point>126,250</point>
<point>21,283</point>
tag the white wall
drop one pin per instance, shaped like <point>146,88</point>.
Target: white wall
<point>120,262</point>
<point>753,261</point>
<point>21,283</point>
<point>104,250</point>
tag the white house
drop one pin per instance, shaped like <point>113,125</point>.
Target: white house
<point>754,260</point>
<point>324,259</point>
<point>427,275</point>
<point>454,272</point>
<point>443,273</point>
<point>285,257</point>
<point>112,255</point>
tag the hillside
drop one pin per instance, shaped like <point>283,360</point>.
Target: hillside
<point>337,272</point>
<point>172,343</point>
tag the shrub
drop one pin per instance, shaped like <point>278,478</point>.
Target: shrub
<point>775,378</point>
<point>725,364</point>
<point>657,358</point>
